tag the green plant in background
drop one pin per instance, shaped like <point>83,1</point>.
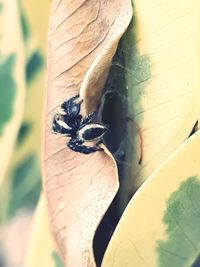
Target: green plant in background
<point>23,180</point>
<point>12,84</point>
<point>25,186</point>
<point>21,70</point>
<point>57,259</point>
<point>8,90</point>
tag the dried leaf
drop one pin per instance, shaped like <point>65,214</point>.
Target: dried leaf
<point>83,37</point>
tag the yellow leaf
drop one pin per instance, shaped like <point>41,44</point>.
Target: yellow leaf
<point>41,246</point>
<point>37,20</point>
<point>162,62</point>
<point>160,226</point>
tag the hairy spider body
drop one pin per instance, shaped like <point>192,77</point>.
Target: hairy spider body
<point>79,129</point>
<point>71,108</point>
<point>91,132</point>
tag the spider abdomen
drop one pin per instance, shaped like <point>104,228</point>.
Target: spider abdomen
<point>91,132</point>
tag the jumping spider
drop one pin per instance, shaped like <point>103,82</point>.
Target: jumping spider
<point>79,129</point>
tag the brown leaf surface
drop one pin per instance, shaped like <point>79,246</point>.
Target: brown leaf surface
<point>83,37</point>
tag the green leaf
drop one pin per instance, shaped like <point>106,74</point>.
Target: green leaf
<point>56,257</point>
<point>24,23</point>
<point>25,187</point>
<point>162,66</point>
<point>1,7</point>
<point>23,132</point>
<point>182,218</point>
<point>12,82</point>
<point>7,89</point>
<point>35,60</point>
<point>33,65</point>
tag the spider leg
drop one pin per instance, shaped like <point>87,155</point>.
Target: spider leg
<point>62,131</point>
<point>99,142</point>
<point>76,145</point>
<point>73,98</point>
<point>88,118</point>
<point>58,127</point>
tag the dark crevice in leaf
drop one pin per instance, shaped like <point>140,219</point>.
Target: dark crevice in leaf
<point>104,231</point>
<point>196,262</point>
<point>194,129</point>
<point>7,89</point>
<point>33,65</point>
<point>123,88</point>
<point>114,111</point>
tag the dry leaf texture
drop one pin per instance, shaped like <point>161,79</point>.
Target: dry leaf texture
<point>83,37</point>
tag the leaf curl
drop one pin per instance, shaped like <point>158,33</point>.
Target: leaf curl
<point>83,37</point>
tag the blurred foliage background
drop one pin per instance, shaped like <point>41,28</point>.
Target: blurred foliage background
<point>20,184</point>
